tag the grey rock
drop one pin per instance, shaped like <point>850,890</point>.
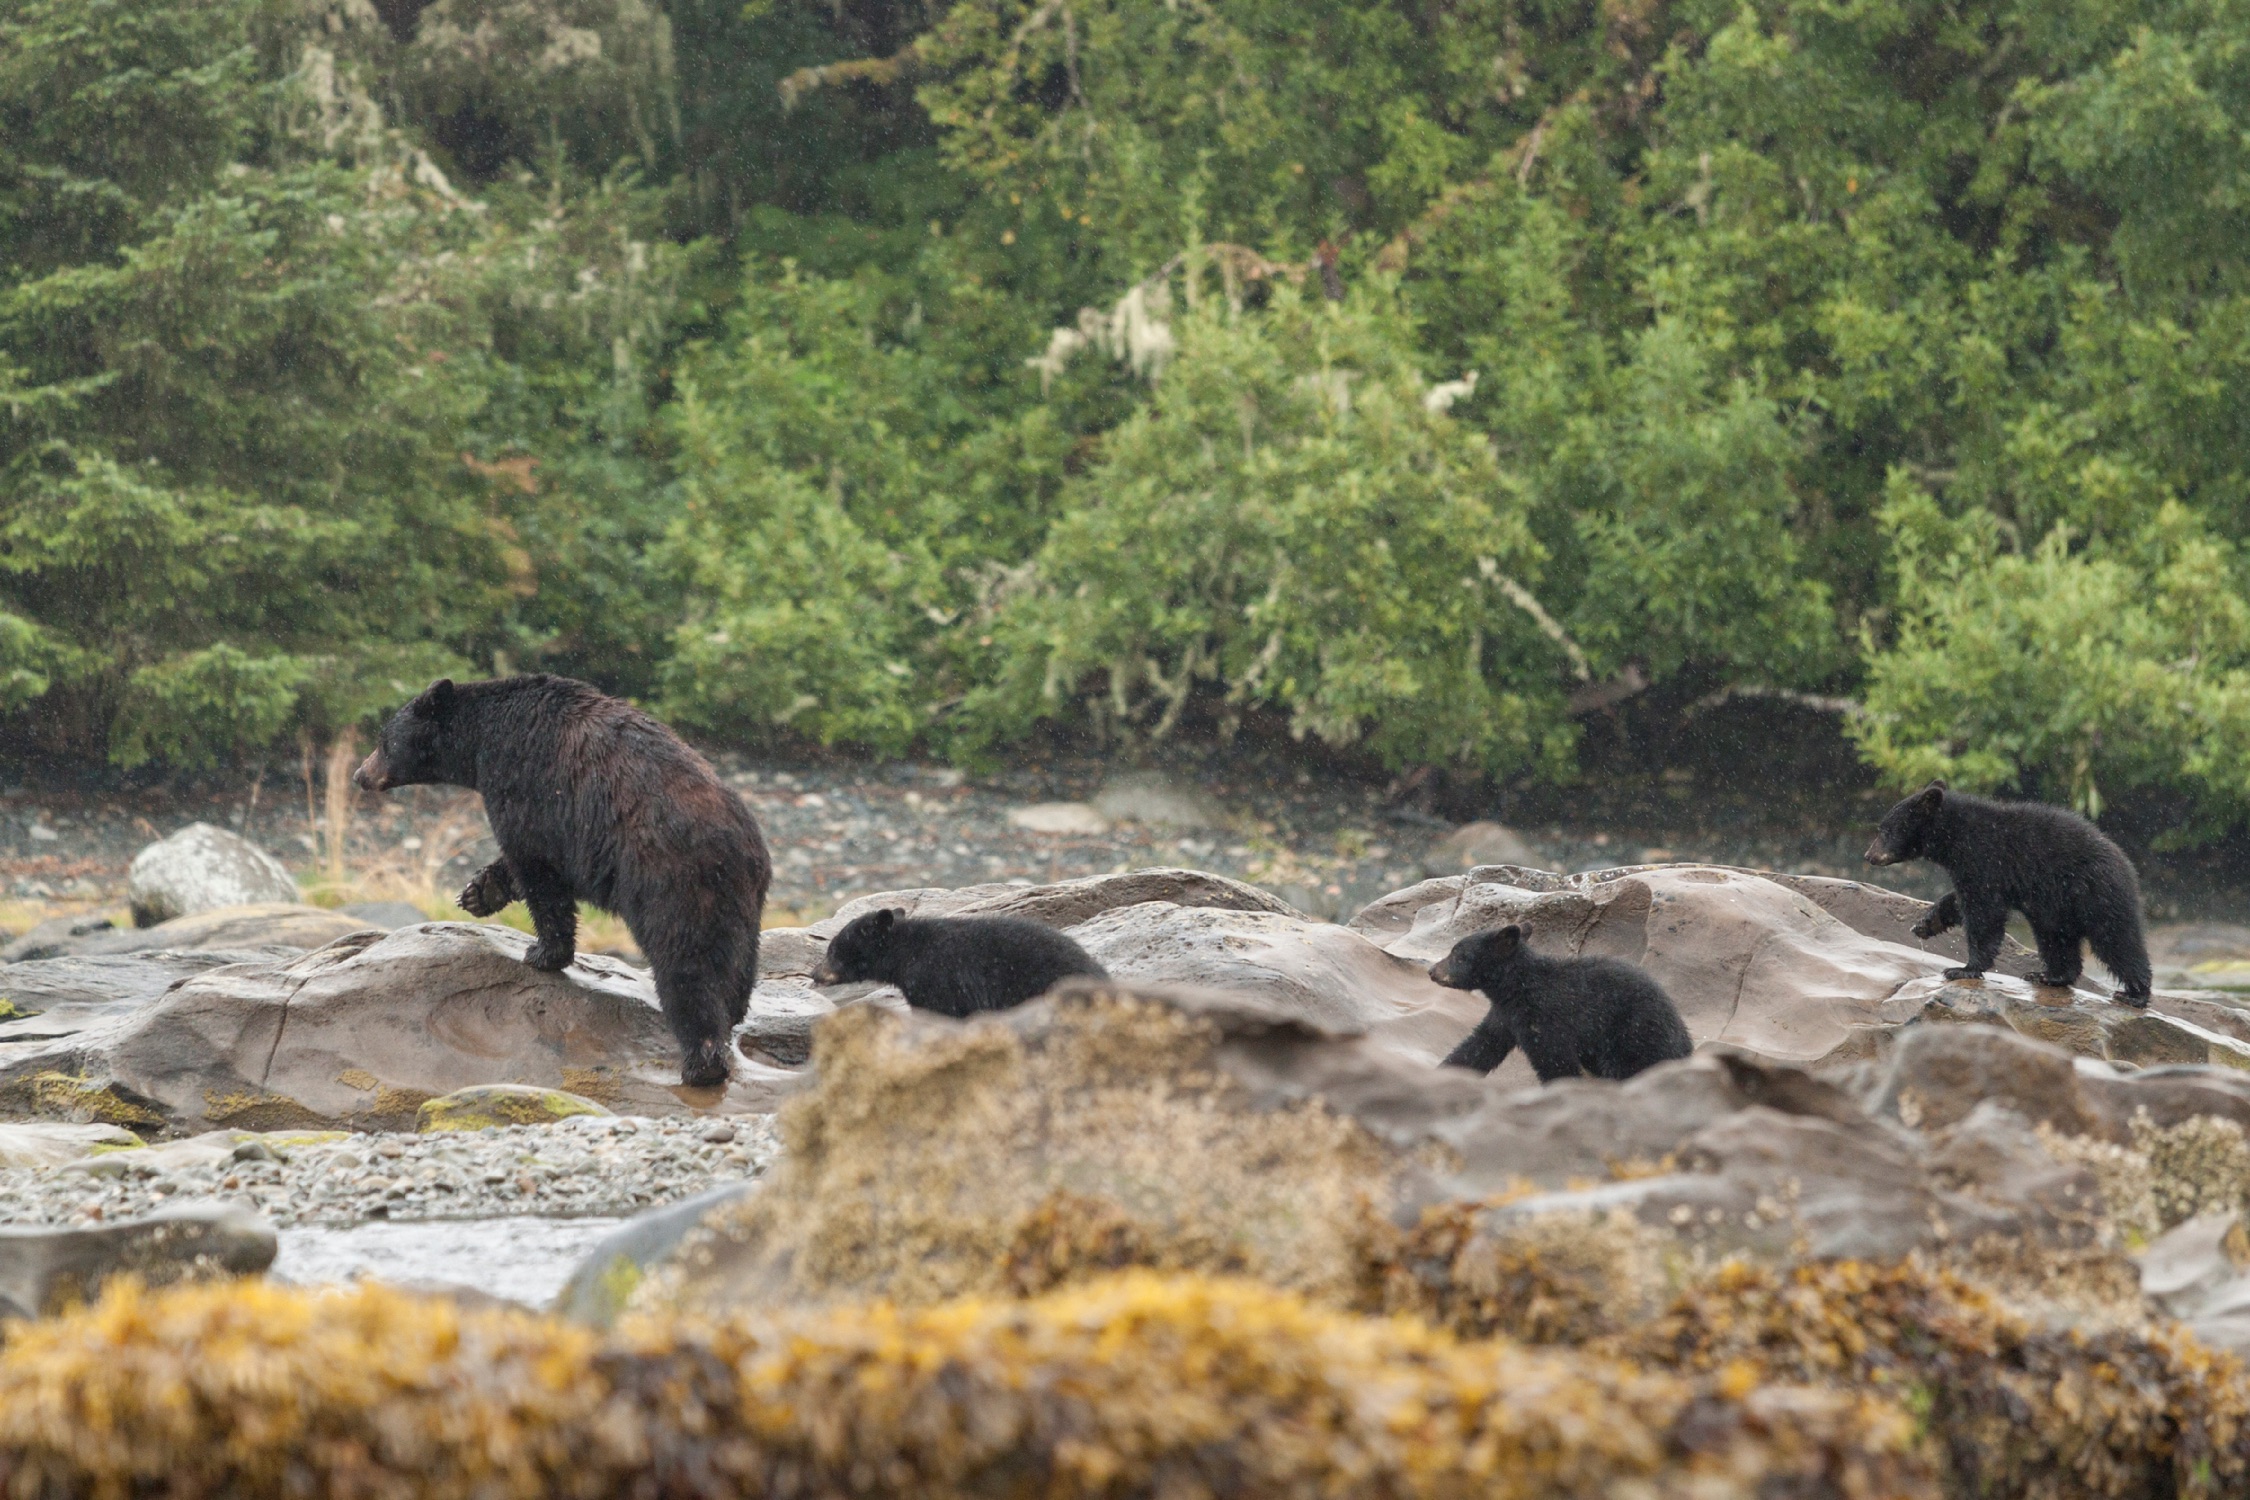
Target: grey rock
<point>54,997</point>
<point>359,1033</point>
<point>388,915</point>
<point>45,1270</point>
<point>202,868</point>
<point>54,936</point>
<point>597,1291</point>
<point>1158,800</point>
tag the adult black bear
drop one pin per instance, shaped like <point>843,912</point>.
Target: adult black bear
<point>592,800</point>
<point>1571,1016</point>
<point>2070,882</point>
<point>955,966</point>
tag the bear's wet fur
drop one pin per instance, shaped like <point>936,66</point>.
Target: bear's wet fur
<point>2070,882</point>
<point>955,966</point>
<point>592,800</point>
<point>1594,1017</point>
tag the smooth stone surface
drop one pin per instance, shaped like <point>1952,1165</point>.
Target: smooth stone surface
<point>45,1269</point>
<point>488,1106</point>
<point>388,915</point>
<point>236,927</point>
<point>202,868</point>
<point>360,1033</point>
<point>55,997</point>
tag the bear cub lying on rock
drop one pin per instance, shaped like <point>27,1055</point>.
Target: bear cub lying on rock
<point>2070,882</point>
<point>1597,1017</point>
<point>592,800</point>
<point>955,966</point>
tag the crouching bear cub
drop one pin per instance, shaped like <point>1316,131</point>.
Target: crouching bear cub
<point>2070,882</point>
<point>1598,1017</point>
<point>592,800</point>
<point>955,966</point>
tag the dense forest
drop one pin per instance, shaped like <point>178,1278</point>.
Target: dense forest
<point>1419,379</point>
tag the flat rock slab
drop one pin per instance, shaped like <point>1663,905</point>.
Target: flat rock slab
<point>361,1033</point>
<point>55,1143</point>
<point>283,925</point>
<point>54,997</point>
<point>45,1270</point>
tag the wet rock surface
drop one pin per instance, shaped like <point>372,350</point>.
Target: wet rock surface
<point>361,1033</point>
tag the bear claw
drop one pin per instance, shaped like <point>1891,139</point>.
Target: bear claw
<point>2055,981</point>
<point>1964,973</point>
<point>705,1066</point>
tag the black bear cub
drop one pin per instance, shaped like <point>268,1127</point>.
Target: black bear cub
<point>2070,882</point>
<point>955,966</point>
<point>592,800</point>
<point>1572,1016</point>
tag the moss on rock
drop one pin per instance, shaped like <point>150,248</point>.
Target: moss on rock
<point>487,1106</point>
<point>1136,1385</point>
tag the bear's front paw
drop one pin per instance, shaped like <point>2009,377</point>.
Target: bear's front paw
<point>2138,1000</point>
<point>1964,973</point>
<point>2053,981</point>
<point>488,891</point>
<point>549,958</point>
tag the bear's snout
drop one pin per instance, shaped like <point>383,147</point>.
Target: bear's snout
<point>824,972</point>
<point>373,774</point>
<point>1878,855</point>
<point>1441,972</point>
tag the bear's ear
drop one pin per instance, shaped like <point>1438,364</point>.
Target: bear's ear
<point>440,698</point>
<point>883,919</point>
<point>1933,794</point>
<point>1507,941</point>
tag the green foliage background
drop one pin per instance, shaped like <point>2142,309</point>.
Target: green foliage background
<point>1411,376</point>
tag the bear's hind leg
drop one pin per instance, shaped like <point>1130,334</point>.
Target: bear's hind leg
<point>697,997</point>
<point>2060,961</point>
<point>554,916</point>
<point>2125,954</point>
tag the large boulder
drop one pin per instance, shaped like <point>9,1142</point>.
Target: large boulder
<point>202,868</point>
<point>361,1033</point>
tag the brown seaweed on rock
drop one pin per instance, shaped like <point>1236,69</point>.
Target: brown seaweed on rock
<point>1136,1385</point>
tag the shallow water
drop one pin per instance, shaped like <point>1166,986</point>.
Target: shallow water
<point>526,1259</point>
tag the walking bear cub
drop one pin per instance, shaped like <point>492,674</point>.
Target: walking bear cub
<point>954,966</point>
<point>1593,1016</point>
<point>2070,882</point>
<point>592,800</point>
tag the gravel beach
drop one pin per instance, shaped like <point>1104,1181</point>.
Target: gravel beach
<point>586,1166</point>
